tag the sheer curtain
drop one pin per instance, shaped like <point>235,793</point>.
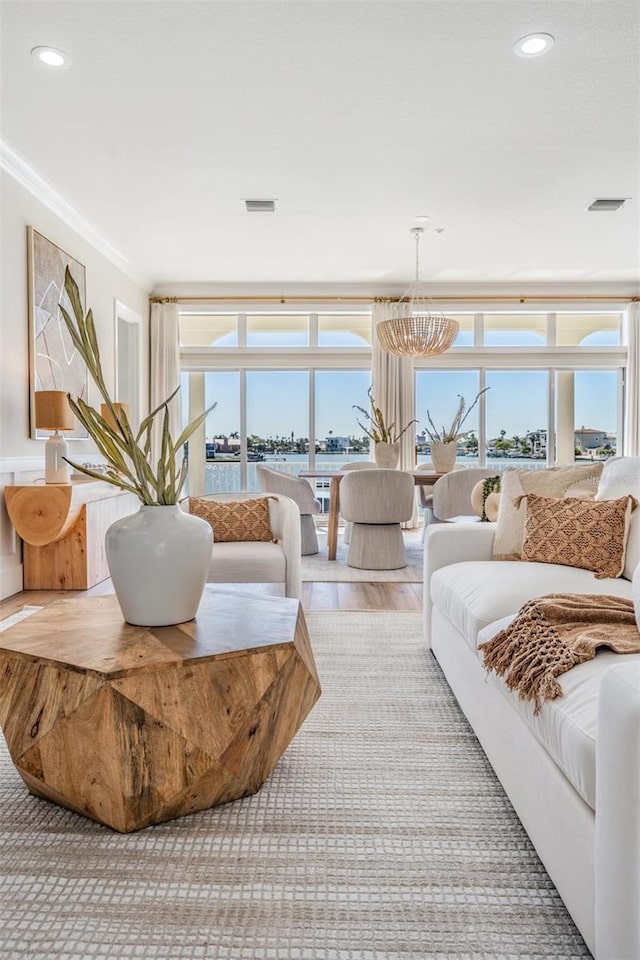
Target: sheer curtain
<point>632,394</point>
<point>393,388</point>
<point>164,374</point>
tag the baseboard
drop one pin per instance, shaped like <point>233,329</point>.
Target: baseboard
<point>11,580</point>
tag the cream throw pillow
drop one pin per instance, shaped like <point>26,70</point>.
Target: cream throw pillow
<point>580,481</point>
<point>622,475</point>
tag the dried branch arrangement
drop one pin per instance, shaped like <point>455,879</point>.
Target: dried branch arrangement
<point>454,432</point>
<point>127,454</point>
<point>376,428</point>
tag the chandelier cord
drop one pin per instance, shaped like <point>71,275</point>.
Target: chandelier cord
<point>418,256</point>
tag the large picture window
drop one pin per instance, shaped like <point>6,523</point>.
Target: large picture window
<point>286,382</point>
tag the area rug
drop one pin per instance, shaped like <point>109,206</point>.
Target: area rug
<point>381,835</point>
<point>317,567</point>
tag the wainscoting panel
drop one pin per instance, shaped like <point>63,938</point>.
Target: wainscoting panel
<point>14,470</point>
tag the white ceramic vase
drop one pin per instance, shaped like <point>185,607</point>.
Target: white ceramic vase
<point>635,593</point>
<point>158,559</point>
<point>386,455</point>
<point>443,456</point>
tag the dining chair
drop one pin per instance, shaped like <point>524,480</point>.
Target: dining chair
<point>376,502</point>
<point>355,465</point>
<point>301,492</point>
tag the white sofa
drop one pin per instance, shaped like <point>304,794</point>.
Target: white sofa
<point>250,561</point>
<point>583,820</point>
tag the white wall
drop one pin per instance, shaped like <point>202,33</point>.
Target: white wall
<point>20,457</point>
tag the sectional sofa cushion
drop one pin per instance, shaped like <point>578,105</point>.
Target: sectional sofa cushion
<point>555,482</point>
<point>566,727</point>
<point>234,521</point>
<point>588,534</point>
<point>475,593</point>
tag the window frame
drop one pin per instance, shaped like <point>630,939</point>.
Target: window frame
<point>549,357</point>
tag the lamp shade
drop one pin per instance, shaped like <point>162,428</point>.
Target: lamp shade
<point>118,407</point>
<point>53,411</point>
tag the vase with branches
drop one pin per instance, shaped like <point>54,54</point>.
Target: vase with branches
<point>453,432</point>
<point>158,557</point>
<point>385,437</point>
<point>444,440</point>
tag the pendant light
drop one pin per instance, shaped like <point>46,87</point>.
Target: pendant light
<point>419,332</point>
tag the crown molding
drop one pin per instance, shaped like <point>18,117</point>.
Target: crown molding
<point>21,171</point>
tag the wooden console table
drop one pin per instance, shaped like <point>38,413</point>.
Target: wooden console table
<point>63,526</point>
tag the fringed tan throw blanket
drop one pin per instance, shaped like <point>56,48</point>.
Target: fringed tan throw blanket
<point>554,633</point>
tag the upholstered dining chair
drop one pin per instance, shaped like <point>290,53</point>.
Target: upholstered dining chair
<point>355,465</point>
<point>301,492</point>
<point>425,492</point>
<point>376,502</point>
<point>359,465</point>
<point>451,495</point>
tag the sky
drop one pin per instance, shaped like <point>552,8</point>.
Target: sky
<point>278,401</point>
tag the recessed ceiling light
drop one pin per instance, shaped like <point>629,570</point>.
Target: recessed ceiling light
<point>51,56</point>
<point>534,45</point>
<point>421,218</point>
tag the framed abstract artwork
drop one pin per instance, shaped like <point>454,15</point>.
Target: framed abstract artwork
<point>54,362</point>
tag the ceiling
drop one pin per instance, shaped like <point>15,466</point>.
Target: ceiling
<point>355,115</point>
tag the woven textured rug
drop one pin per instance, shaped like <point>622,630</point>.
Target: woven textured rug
<point>381,835</point>
<point>317,567</point>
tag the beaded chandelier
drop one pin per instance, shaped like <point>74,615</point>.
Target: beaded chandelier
<point>419,333</point>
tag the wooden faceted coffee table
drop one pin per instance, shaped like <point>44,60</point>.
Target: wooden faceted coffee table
<point>136,725</point>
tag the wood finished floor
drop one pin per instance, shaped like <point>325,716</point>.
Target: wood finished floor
<point>317,595</point>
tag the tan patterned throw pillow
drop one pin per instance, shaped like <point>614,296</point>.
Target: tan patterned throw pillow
<point>576,480</point>
<point>588,534</point>
<point>235,520</point>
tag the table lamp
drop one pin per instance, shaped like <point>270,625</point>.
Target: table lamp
<point>106,413</point>
<point>54,413</point>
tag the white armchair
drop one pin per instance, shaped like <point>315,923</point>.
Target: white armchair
<point>251,561</point>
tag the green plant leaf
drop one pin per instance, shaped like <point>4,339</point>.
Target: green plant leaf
<point>191,428</point>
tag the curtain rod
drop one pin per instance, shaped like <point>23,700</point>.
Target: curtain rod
<point>536,298</point>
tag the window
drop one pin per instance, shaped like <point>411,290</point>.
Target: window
<point>587,417</point>
<point>517,405</point>
<point>277,419</point>
<point>588,330</point>
<point>335,330</point>
<point>222,431</point>
<point>466,335</point>
<point>515,330</point>
<point>338,436</point>
<point>438,393</point>
<point>287,330</point>
<point>286,382</point>
<point>208,330</point>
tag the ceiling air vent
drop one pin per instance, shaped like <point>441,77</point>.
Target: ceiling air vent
<point>260,206</point>
<point>608,204</point>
